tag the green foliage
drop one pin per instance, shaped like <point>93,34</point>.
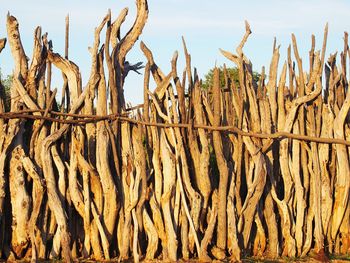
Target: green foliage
<point>232,73</point>
<point>5,87</point>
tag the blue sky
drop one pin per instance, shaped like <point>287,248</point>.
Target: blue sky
<point>206,26</point>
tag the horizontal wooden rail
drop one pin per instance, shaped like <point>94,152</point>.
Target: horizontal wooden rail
<point>84,119</point>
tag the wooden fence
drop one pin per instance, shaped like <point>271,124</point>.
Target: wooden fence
<point>254,169</point>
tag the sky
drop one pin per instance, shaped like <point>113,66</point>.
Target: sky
<point>205,24</point>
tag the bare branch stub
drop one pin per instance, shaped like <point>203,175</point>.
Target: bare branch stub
<point>2,43</point>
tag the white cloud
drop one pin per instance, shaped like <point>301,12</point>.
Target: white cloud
<point>266,17</point>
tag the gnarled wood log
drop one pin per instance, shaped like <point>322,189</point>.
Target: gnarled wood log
<point>247,169</point>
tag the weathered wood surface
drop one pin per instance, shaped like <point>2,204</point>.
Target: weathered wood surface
<point>249,169</point>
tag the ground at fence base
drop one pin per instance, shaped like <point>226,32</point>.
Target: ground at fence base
<point>311,258</point>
